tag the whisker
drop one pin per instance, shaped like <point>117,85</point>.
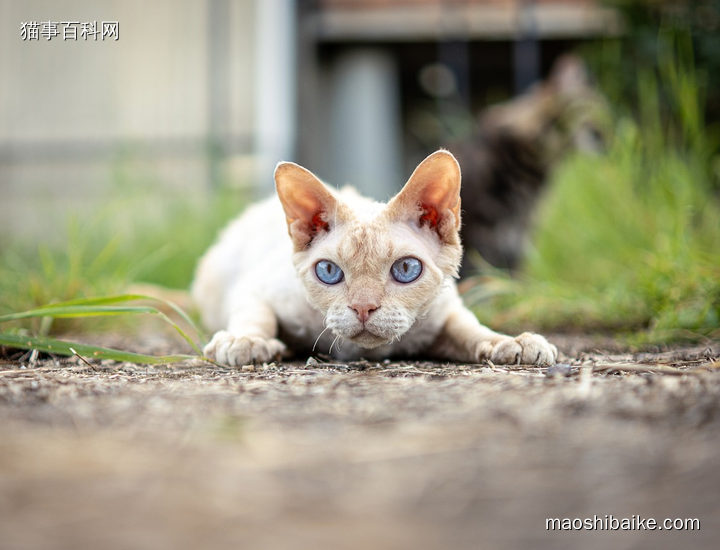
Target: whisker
<point>318,338</point>
<point>337,336</point>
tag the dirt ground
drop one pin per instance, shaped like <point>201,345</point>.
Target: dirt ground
<point>360,455</point>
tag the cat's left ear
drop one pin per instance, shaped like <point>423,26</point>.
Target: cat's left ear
<point>306,200</point>
<point>432,196</point>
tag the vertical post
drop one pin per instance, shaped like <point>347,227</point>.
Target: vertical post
<point>365,135</point>
<point>218,41</point>
<point>526,50</point>
<point>454,53</point>
<point>275,87</point>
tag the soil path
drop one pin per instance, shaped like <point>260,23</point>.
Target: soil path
<point>360,455</point>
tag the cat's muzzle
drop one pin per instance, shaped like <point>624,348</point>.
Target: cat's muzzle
<point>368,339</point>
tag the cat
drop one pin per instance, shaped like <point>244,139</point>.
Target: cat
<point>508,160</point>
<point>354,278</point>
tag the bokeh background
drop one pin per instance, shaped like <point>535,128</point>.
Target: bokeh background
<point>198,94</point>
<point>121,159</point>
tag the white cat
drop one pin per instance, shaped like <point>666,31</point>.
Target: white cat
<point>355,278</point>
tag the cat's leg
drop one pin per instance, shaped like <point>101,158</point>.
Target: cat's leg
<point>250,336</point>
<point>463,338</point>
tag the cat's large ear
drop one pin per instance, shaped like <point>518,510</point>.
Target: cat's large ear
<point>308,204</point>
<point>432,196</point>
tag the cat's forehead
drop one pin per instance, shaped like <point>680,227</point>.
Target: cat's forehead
<point>364,239</point>
<point>364,243</point>
<point>370,246</point>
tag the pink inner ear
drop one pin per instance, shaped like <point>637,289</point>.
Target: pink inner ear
<point>430,215</point>
<point>318,223</point>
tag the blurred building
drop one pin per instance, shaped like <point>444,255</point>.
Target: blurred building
<point>169,105</point>
<point>383,83</point>
<point>197,92</point>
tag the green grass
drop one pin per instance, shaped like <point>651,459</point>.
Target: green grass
<point>627,241</point>
<point>132,237</point>
<point>99,307</point>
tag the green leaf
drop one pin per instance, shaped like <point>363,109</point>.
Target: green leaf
<point>102,306</point>
<point>77,311</point>
<point>62,347</point>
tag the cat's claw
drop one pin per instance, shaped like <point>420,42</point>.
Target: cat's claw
<point>526,349</point>
<point>228,349</point>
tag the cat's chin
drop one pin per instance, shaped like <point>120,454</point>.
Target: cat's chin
<point>369,340</point>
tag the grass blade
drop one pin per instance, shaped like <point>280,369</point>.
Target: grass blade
<point>62,347</point>
<point>103,306</point>
<point>121,298</point>
<point>66,312</point>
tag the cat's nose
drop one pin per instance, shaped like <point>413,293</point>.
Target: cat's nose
<point>363,311</point>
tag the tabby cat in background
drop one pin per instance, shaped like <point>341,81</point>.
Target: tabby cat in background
<point>508,161</point>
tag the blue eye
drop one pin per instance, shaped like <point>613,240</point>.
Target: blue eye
<point>406,270</point>
<point>328,272</point>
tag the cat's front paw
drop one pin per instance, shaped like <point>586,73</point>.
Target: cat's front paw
<point>526,349</point>
<point>228,349</point>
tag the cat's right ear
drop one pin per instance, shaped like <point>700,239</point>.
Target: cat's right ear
<point>432,196</point>
<point>307,202</point>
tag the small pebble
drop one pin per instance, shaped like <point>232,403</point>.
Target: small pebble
<point>559,369</point>
<point>248,368</point>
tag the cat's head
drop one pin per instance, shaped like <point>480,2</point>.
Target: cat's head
<point>372,269</point>
<point>562,113</point>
